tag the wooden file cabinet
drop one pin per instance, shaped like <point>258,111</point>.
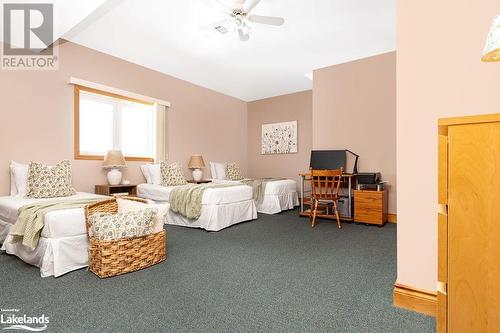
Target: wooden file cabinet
<point>370,207</point>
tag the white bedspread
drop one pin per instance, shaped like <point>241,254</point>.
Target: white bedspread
<point>280,195</point>
<point>221,207</point>
<point>58,224</point>
<point>211,196</point>
<point>217,217</point>
<point>282,186</point>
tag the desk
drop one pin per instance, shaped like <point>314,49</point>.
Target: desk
<point>347,178</point>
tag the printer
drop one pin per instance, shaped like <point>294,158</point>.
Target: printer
<point>370,181</point>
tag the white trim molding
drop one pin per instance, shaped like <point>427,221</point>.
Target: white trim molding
<point>98,86</point>
<point>161,134</point>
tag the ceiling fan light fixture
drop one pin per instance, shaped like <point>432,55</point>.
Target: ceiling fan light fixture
<point>245,28</point>
<point>241,20</point>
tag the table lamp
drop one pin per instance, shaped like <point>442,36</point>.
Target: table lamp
<point>196,163</point>
<point>114,161</point>
<point>492,48</point>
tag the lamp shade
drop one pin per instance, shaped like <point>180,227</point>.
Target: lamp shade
<point>114,159</point>
<point>492,49</point>
<point>196,162</point>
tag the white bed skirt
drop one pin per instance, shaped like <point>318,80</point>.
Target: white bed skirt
<point>276,203</point>
<point>217,217</point>
<point>280,195</point>
<point>54,256</point>
<point>4,230</point>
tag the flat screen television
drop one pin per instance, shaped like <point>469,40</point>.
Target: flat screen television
<point>328,159</point>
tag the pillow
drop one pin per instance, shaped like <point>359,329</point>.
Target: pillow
<point>145,172</point>
<point>155,173</point>
<point>212,170</point>
<point>218,171</point>
<point>13,187</point>
<point>233,171</point>
<point>171,175</point>
<point>20,172</point>
<point>107,227</point>
<point>49,182</point>
<point>125,206</point>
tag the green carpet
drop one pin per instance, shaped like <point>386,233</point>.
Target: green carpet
<point>271,274</point>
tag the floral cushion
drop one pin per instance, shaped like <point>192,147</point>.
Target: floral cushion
<point>125,206</point>
<point>49,182</point>
<point>233,171</point>
<point>171,175</point>
<point>108,227</point>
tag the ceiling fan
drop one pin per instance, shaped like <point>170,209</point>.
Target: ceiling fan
<point>240,18</point>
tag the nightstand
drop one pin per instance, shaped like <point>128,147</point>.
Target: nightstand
<point>112,190</point>
<point>203,181</point>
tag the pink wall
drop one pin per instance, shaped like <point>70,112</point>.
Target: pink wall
<point>296,106</point>
<point>439,75</point>
<point>36,115</point>
<point>354,107</point>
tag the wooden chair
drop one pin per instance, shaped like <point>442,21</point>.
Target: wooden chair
<point>325,190</point>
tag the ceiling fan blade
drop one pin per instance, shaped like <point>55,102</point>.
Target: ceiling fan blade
<point>215,25</point>
<point>250,4</point>
<point>224,6</point>
<point>238,4</point>
<point>244,37</point>
<point>271,20</point>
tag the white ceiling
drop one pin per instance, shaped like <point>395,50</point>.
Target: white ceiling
<point>165,35</point>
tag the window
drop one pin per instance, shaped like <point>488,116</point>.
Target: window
<point>105,121</point>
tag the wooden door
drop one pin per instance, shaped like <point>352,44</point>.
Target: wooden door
<point>474,228</point>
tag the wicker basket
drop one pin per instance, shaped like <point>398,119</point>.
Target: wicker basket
<point>112,258</point>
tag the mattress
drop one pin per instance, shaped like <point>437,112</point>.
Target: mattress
<point>58,224</point>
<point>211,196</point>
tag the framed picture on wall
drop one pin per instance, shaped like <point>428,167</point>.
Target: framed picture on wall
<point>279,138</point>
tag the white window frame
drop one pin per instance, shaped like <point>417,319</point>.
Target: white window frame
<point>117,101</point>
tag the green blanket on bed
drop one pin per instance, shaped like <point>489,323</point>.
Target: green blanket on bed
<point>259,187</point>
<point>186,200</point>
<point>31,219</point>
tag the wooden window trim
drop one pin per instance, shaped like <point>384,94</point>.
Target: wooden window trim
<point>77,154</point>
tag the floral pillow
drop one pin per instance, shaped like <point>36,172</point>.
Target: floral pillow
<point>49,182</point>
<point>171,175</point>
<point>233,171</point>
<point>125,206</point>
<point>108,227</point>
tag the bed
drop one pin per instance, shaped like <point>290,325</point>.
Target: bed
<point>63,242</point>
<point>279,195</point>
<point>221,207</point>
